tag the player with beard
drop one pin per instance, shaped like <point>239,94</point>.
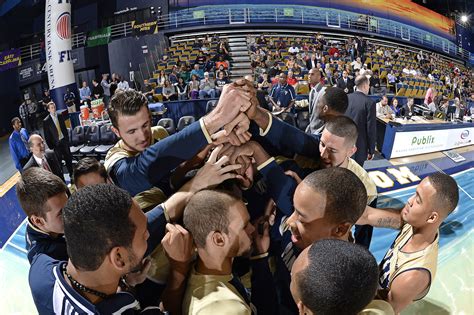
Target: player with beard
<point>107,237</point>
<point>221,229</point>
<point>142,165</point>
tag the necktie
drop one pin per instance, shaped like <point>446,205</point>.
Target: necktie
<point>58,128</point>
<point>45,164</point>
<point>311,99</point>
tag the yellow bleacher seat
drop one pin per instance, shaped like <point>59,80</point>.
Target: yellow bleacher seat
<point>303,89</point>
<point>401,91</point>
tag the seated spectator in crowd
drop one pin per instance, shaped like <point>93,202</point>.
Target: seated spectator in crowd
<point>148,91</point>
<point>200,59</point>
<point>173,76</point>
<point>207,87</point>
<point>182,89</point>
<point>41,158</point>
<point>69,99</point>
<point>333,50</point>
<point>162,77</point>
<point>85,93</point>
<point>223,63</point>
<point>210,65</point>
<point>280,44</point>
<point>282,95</point>
<point>198,72</point>
<point>169,92</point>
<point>274,70</point>
<point>185,73</point>
<point>261,40</point>
<point>392,80</point>
<point>356,64</point>
<point>194,87</point>
<point>376,86</point>
<point>333,78</point>
<point>409,266</point>
<point>221,69</point>
<point>408,109</point>
<point>429,95</point>
<point>263,82</point>
<point>221,80</point>
<point>410,71</point>
<point>320,286</point>
<point>311,62</point>
<point>291,80</point>
<point>88,171</point>
<point>293,49</point>
<point>395,108</point>
<point>383,110</point>
<point>42,196</point>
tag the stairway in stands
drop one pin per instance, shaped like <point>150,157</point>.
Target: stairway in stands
<point>239,53</point>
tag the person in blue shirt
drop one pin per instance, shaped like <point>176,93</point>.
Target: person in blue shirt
<point>85,93</point>
<point>283,95</point>
<point>198,72</point>
<point>397,110</point>
<point>42,196</point>
<point>18,143</point>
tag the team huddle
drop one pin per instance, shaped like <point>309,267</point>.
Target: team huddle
<point>238,213</point>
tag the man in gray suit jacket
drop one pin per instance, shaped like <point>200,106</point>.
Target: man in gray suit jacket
<point>362,111</point>
<point>315,123</point>
<point>42,158</point>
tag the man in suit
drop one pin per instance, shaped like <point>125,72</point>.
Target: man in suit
<point>56,136</point>
<point>362,111</point>
<point>345,83</point>
<point>315,122</point>
<point>41,158</point>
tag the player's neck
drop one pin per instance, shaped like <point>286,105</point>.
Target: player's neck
<point>422,237</point>
<point>212,265</point>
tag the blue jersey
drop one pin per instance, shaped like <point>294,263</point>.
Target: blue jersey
<point>283,94</point>
<point>39,242</point>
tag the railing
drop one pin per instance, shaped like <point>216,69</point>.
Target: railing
<point>280,15</point>
<point>306,15</point>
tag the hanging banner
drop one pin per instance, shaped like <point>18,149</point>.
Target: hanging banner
<point>10,59</point>
<point>59,50</point>
<point>150,27</point>
<point>99,37</point>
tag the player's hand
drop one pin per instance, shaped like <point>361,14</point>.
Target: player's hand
<point>178,246</point>
<point>139,276</point>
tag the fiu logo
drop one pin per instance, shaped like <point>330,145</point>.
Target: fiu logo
<point>63,26</point>
<point>465,134</point>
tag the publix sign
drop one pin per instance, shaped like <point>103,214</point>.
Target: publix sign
<point>425,141</point>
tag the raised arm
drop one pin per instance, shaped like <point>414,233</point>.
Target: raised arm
<point>385,218</point>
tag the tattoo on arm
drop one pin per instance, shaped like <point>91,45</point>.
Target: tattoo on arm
<point>388,222</point>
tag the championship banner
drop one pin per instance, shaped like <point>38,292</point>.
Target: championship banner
<point>99,37</point>
<point>59,61</point>
<point>10,59</point>
<point>150,27</point>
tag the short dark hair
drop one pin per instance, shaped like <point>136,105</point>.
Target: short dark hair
<point>14,120</point>
<point>336,99</point>
<point>96,219</point>
<point>346,196</point>
<point>126,103</point>
<point>35,187</point>
<point>88,165</point>
<point>207,211</point>
<point>340,278</point>
<point>361,80</point>
<point>447,192</point>
<point>344,127</point>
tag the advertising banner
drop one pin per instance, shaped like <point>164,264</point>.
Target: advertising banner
<point>59,50</point>
<point>150,27</point>
<point>426,141</point>
<point>10,59</point>
<point>99,37</point>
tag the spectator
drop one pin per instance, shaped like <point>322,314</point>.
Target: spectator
<point>173,76</point>
<point>333,50</point>
<point>185,73</point>
<point>311,62</point>
<point>291,80</point>
<point>222,62</point>
<point>221,80</point>
<point>105,88</point>
<point>207,87</point>
<point>397,110</point>
<point>199,73</point>
<point>264,82</point>
<point>85,93</point>
<point>345,83</point>
<point>221,69</point>
<point>363,112</point>
<point>69,99</point>
<point>282,95</point>
<point>169,92</point>
<point>200,59</point>
<point>18,143</point>
<point>375,85</point>
<point>383,110</point>
<point>193,87</point>
<point>274,70</point>
<point>122,84</point>
<point>97,89</point>
<point>162,77</point>
<point>293,49</point>
<point>182,89</point>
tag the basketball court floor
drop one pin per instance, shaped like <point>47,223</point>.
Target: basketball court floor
<point>452,291</point>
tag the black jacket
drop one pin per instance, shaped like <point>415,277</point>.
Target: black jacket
<point>343,85</point>
<point>53,163</point>
<point>362,111</point>
<point>51,133</point>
